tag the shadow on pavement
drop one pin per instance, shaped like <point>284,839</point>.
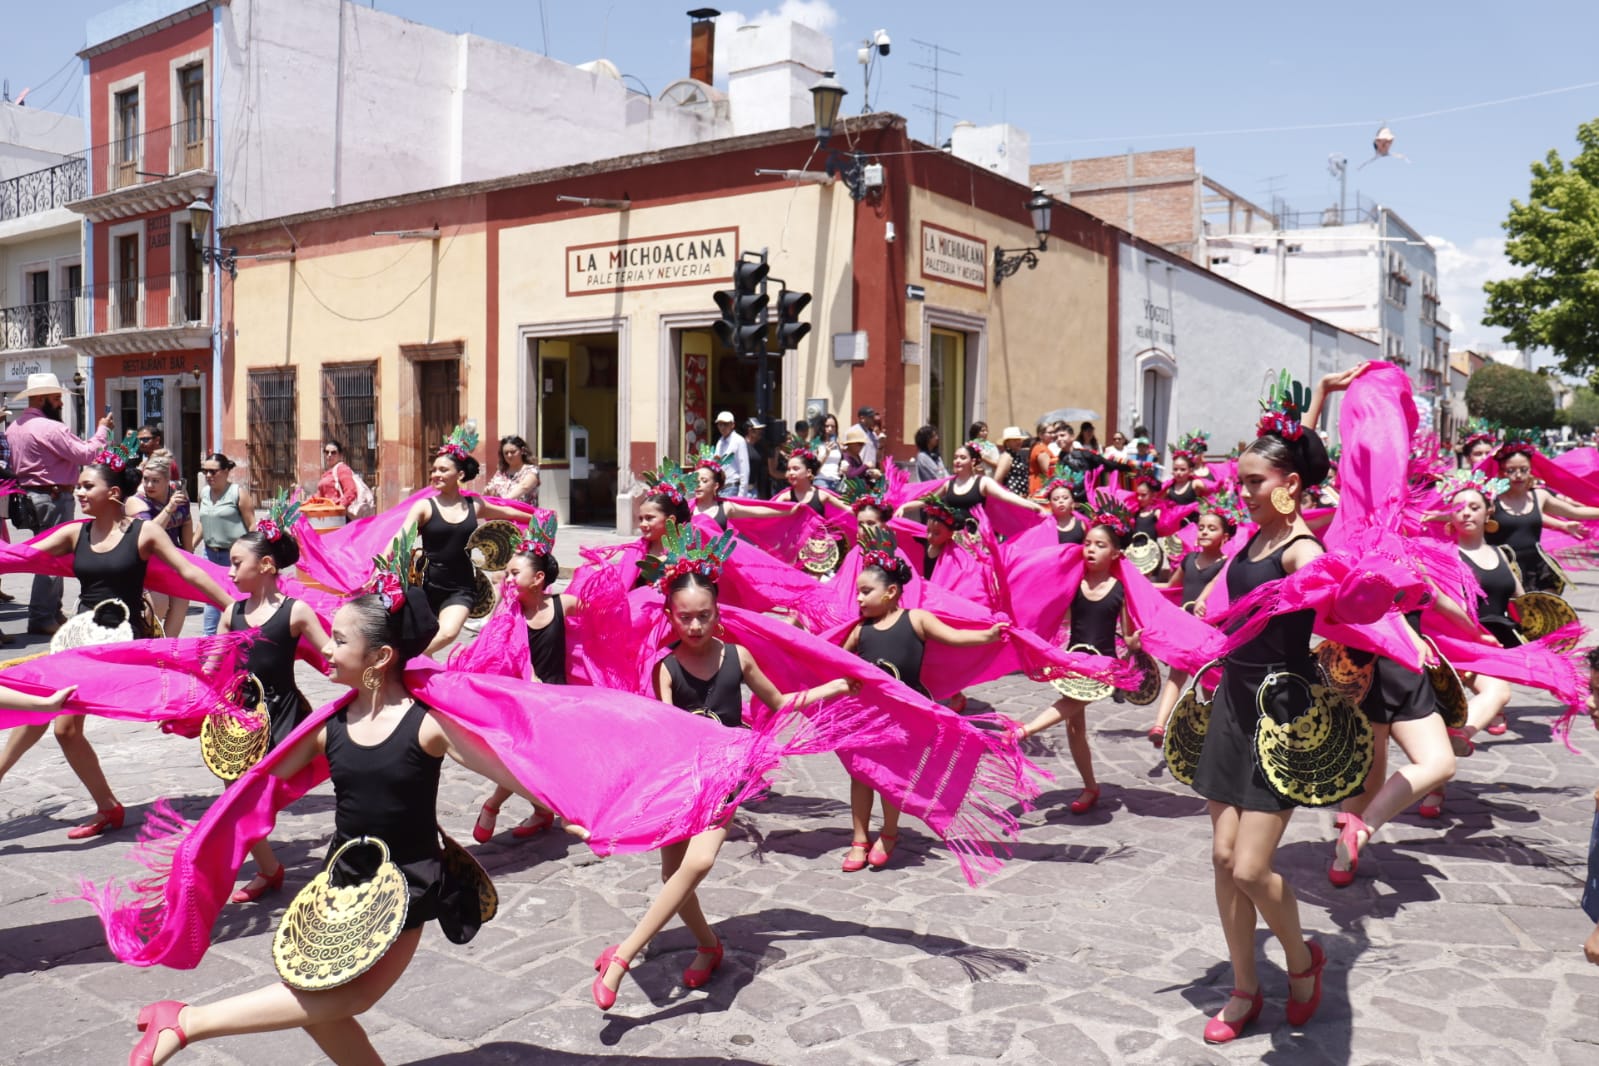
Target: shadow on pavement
<point>516,1053</point>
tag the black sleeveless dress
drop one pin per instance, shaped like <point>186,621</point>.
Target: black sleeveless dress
<point>1493,606</point>
<point>1093,622</point>
<point>449,579</point>
<point>1396,694</point>
<point>271,660</point>
<point>1075,535</point>
<point>389,790</point>
<point>546,648</point>
<point>1195,578</point>
<point>814,502</point>
<point>1147,523</point>
<point>1521,533</point>
<point>1227,772</point>
<point>897,650</point>
<point>1182,498</point>
<point>968,499</point>
<point>117,574</point>
<point>718,696</point>
<point>718,515</point>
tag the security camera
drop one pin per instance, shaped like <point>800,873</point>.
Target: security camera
<point>880,41</point>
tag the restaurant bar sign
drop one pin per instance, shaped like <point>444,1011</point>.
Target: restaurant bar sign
<point>956,258</point>
<point>699,258</point>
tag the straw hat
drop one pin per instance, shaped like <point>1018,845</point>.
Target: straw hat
<point>1012,433</point>
<point>854,435</point>
<point>41,385</point>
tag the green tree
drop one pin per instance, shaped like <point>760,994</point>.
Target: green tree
<point>1583,414</point>
<point>1511,397</point>
<point>1555,234</point>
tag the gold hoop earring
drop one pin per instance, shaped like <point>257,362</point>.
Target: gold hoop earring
<point>1491,526</point>
<point>1282,500</point>
<point>371,679</point>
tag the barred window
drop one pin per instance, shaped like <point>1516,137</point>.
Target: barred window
<point>274,436</point>
<point>350,415</point>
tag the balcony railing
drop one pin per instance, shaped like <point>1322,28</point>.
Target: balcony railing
<point>138,157</point>
<point>42,325</point>
<point>42,190</point>
<point>156,301</point>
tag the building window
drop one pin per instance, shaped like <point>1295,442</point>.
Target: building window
<point>274,436</point>
<point>125,149</point>
<point>191,91</point>
<point>350,415</point>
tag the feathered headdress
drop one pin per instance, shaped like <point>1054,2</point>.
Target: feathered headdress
<point>1066,477</point>
<point>391,571</point>
<point>1283,407</point>
<point>1226,506</point>
<point>859,495</point>
<point>1192,447</point>
<point>935,509</point>
<point>540,537</point>
<point>879,547</point>
<point>460,443</point>
<point>671,481</point>
<point>118,456</point>
<point>1478,431</point>
<point>1109,512</point>
<point>281,513</point>
<point>1145,475</point>
<point>1459,481</point>
<point>1519,442</point>
<point>686,551</point>
<point>796,450</point>
<point>707,459</point>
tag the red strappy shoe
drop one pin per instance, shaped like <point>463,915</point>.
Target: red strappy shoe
<point>479,833</point>
<point>605,998</point>
<point>696,976</point>
<point>1432,804</point>
<point>1086,800</point>
<point>1300,1013</point>
<point>1220,1031</point>
<point>154,1020</point>
<point>879,856</point>
<point>102,822</point>
<point>1348,837</point>
<point>856,865</point>
<point>535,824</point>
<point>274,882</point>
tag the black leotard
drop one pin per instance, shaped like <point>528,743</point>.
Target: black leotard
<point>1194,578</point>
<point>1075,535</point>
<point>271,660</point>
<point>718,696</point>
<point>896,649</point>
<point>546,647</point>
<point>813,501</point>
<point>1146,522</point>
<point>1521,533</point>
<point>965,500</point>
<point>1093,622</point>
<point>449,577</point>
<point>1182,497</point>
<point>117,574</point>
<point>1493,606</point>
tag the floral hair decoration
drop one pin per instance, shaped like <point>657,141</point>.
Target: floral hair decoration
<point>1228,507</point>
<point>391,571</point>
<point>1284,408</point>
<point>687,551</point>
<point>1192,447</point>
<point>1146,477</point>
<point>1109,512</point>
<point>1478,431</point>
<point>799,452</point>
<point>1452,484</point>
<point>460,443</point>
<point>880,548</point>
<point>540,538</point>
<point>281,513</point>
<point>1518,442</point>
<point>1065,477</point>
<point>118,456</point>
<point>707,459</point>
<point>671,481</point>
<point>976,446</point>
<point>934,509</point>
<point>859,495</point>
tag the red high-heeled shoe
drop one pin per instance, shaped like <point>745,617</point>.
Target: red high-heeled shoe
<point>1157,736</point>
<point>479,833</point>
<point>274,882</point>
<point>1432,804</point>
<point>696,976</point>
<point>879,856</point>
<point>605,998</point>
<point>1348,837</point>
<point>103,821</point>
<point>1086,800</point>
<point>855,865</point>
<point>1219,1031</point>
<point>1498,727</point>
<point>535,825</point>
<point>154,1020</point>
<point>1300,1013</point>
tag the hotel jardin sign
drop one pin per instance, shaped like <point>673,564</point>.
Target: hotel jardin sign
<point>954,258</point>
<point>698,258</point>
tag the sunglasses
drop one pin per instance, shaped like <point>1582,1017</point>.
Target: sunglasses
<point>210,470</point>
<point>330,451</point>
<point>146,440</point>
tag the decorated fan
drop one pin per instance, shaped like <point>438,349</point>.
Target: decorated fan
<point>686,551</point>
<point>492,544</point>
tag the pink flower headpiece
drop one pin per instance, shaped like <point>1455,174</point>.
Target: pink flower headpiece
<point>1283,408</point>
<point>391,572</point>
<point>459,444</point>
<point>1109,512</point>
<point>118,456</point>
<point>686,551</point>
<point>281,514</point>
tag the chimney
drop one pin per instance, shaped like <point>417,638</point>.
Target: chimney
<point>702,44</point>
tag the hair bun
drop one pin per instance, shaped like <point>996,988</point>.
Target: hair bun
<point>418,625</point>
<point>1310,456</point>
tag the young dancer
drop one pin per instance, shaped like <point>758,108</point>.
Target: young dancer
<point>1193,575</point>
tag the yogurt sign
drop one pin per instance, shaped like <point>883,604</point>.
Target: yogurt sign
<point>954,258</point>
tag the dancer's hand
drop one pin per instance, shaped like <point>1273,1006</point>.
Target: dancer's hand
<point>58,698</point>
<point>1134,642</point>
<point>1340,381</point>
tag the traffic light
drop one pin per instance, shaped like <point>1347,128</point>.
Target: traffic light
<point>790,330</point>
<point>744,306</point>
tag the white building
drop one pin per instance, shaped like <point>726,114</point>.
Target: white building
<point>1364,270</point>
<point>41,273</point>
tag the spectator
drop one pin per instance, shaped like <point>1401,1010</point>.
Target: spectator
<point>928,465</point>
<point>1117,451</point>
<point>46,456</point>
<point>1040,464</point>
<point>227,512</point>
<point>150,438</point>
<point>1144,454</point>
<point>518,476</point>
<point>162,501</point>
<point>853,465</point>
<point>338,480</point>
<point>5,465</point>
<point>738,468</point>
<point>866,422</point>
<point>1012,468</point>
<point>987,454</point>
<point>1086,437</point>
<point>829,450</point>
<point>802,433</point>
<point>1063,442</point>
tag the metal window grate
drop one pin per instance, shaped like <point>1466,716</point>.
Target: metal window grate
<point>350,415</point>
<point>273,433</point>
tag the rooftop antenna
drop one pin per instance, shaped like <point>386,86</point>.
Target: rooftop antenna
<point>1338,167</point>
<point>936,94</point>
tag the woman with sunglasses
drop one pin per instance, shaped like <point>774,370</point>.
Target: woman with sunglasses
<point>338,480</point>
<point>227,512</point>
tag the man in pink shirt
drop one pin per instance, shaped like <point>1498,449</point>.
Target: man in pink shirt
<point>46,456</point>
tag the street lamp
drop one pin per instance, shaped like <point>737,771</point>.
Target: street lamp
<point>827,96</point>
<point>1008,261</point>
<point>200,230</point>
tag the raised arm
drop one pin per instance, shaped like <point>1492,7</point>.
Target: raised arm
<point>153,542</point>
<point>767,692</point>
<point>992,489</point>
<point>929,627</point>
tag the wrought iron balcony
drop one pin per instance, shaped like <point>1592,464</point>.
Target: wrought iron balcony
<point>43,325</point>
<point>42,190</point>
<point>142,314</point>
<point>141,156</point>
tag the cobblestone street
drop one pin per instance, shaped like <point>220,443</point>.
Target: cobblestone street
<point>1098,942</point>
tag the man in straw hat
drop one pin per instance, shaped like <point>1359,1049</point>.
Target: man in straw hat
<point>46,456</point>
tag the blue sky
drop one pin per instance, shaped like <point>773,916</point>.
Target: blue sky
<point>1093,79</point>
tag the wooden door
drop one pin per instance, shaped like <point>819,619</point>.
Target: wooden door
<point>439,385</point>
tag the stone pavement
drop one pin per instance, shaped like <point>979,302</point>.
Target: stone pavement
<point>1097,943</point>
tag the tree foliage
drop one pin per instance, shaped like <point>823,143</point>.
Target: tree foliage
<point>1555,234</point>
<point>1511,397</point>
<point>1583,414</point>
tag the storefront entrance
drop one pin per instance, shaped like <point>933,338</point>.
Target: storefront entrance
<point>572,424</point>
<point>948,406</point>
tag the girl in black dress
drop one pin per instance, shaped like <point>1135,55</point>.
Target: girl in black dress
<point>968,487</point>
<point>1061,495</point>
<point>445,524</point>
<point>528,576</point>
<point>255,561</point>
<point>110,553</point>
<point>1247,817</point>
<point>1098,612</point>
<point>1522,511</point>
<point>384,749</point>
<point>895,638</point>
<point>702,675</point>
<point>663,504</point>
<point>710,477</point>
<point>1193,575</point>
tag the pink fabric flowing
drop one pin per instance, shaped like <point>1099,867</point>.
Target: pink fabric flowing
<point>780,528</point>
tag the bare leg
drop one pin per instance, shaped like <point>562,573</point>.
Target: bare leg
<point>1358,803</point>
<point>1171,691</point>
<point>1254,847</point>
<point>861,799</point>
<point>1077,741</point>
<point>177,613</point>
<point>81,757</point>
<point>1432,762</point>
<point>327,1016</point>
<point>1237,913</point>
<point>266,866</point>
<point>1490,698</point>
<point>21,739</point>
<point>1051,715</point>
<point>683,866</point>
<point>451,619</point>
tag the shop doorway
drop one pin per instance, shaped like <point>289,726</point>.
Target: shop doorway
<point>948,400</point>
<point>573,421</point>
<point>710,379</point>
<point>190,433</point>
<point>1155,395</point>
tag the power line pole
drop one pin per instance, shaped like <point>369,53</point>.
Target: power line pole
<point>935,93</point>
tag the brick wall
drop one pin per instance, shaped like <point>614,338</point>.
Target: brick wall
<point>1162,212</point>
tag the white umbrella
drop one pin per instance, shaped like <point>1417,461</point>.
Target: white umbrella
<point>1070,414</point>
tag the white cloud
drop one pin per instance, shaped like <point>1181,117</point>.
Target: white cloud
<point>819,15</point>
<point>1462,269</point>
